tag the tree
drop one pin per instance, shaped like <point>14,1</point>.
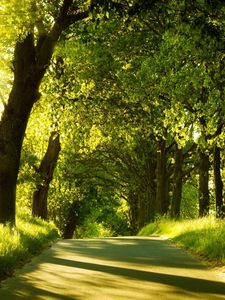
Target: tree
<point>152,89</point>
<point>162,179</point>
<point>130,98</point>
<point>185,72</point>
<point>177,182</point>
<point>32,57</point>
<point>218,183</point>
<point>45,176</point>
<point>72,221</point>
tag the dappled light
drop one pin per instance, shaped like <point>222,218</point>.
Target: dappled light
<point>112,123</point>
<point>118,268</point>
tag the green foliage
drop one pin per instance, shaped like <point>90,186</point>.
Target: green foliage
<point>113,90</point>
<point>15,18</point>
<point>204,236</point>
<point>92,229</point>
<point>189,205</point>
<point>18,244</point>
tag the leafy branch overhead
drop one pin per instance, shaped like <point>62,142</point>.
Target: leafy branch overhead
<point>135,89</point>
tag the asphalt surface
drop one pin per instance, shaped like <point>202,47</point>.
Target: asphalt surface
<point>113,268</point>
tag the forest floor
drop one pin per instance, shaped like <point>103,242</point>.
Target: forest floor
<point>114,268</point>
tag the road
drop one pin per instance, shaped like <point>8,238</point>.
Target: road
<point>113,268</point>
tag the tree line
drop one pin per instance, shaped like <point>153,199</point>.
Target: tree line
<point>135,93</point>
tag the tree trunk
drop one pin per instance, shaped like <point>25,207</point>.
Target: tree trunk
<point>30,63</point>
<point>45,173</point>
<point>72,220</point>
<point>218,184</point>
<point>203,184</point>
<point>147,197</point>
<point>161,179</point>
<point>13,124</point>
<point>133,212</point>
<point>146,212</point>
<point>177,183</point>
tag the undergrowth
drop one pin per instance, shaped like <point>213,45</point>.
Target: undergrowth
<point>18,244</point>
<point>205,236</point>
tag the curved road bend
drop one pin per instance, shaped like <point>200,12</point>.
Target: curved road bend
<point>113,268</point>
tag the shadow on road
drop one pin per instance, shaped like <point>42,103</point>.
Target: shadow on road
<point>143,251</point>
<point>186,283</point>
<point>115,264</point>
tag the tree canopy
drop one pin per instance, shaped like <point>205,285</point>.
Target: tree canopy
<point>134,90</point>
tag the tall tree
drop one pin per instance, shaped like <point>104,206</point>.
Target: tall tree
<point>162,178</point>
<point>32,57</point>
<point>177,182</point>
<point>218,183</point>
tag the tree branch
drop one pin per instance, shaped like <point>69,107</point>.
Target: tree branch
<point>46,42</point>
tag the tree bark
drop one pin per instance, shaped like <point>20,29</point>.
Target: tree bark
<point>218,184</point>
<point>161,179</point>
<point>13,124</point>
<point>203,184</point>
<point>177,183</point>
<point>30,63</point>
<point>45,173</point>
<point>146,207</point>
<point>147,195</point>
<point>133,212</point>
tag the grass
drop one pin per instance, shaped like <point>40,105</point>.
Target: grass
<point>19,244</point>
<point>205,236</point>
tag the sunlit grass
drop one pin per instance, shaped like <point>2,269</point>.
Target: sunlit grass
<point>20,243</point>
<point>205,236</point>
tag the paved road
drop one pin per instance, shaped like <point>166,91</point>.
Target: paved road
<point>114,268</point>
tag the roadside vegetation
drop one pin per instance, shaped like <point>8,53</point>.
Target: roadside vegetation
<point>18,245</point>
<point>112,116</point>
<point>204,236</point>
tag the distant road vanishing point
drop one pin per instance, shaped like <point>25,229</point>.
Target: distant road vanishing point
<point>131,268</point>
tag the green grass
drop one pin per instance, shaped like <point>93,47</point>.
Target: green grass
<point>17,245</point>
<point>205,236</point>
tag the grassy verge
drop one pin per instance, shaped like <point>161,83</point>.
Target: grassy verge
<point>205,236</point>
<point>17,245</point>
